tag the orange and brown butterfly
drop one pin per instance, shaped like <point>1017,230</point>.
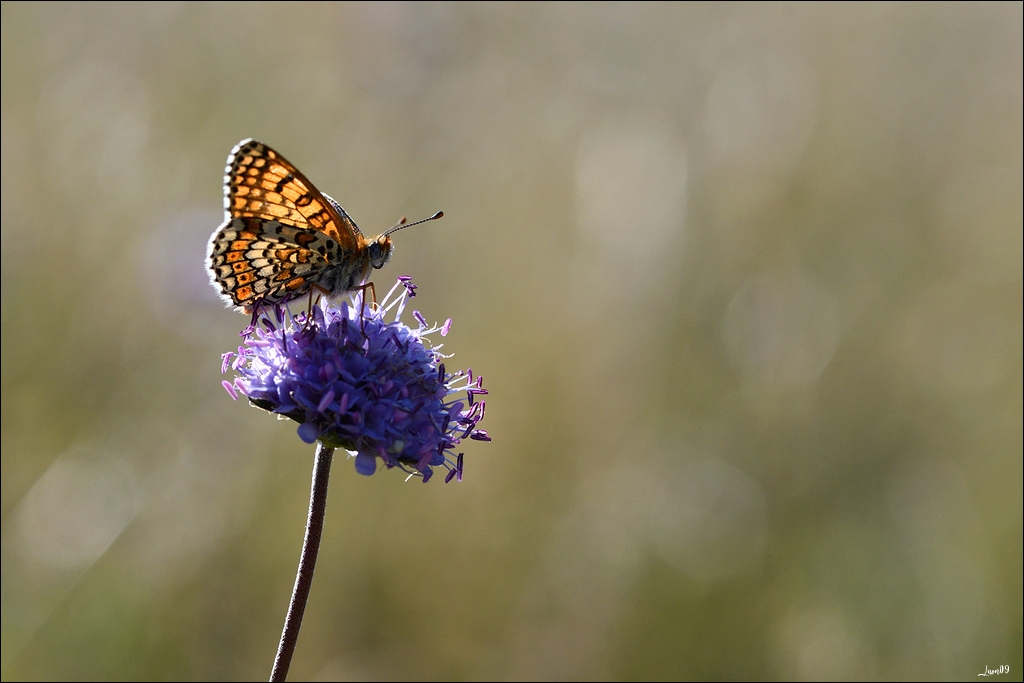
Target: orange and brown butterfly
<point>282,238</point>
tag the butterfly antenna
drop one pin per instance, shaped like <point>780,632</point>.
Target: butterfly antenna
<point>402,224</point>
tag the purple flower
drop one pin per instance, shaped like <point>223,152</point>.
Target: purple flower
<point>356,382</point>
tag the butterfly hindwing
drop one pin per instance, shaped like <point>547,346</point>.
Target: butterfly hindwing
<point>253,259</point>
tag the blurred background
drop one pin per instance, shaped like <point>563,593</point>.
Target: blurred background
<point>744,283</point>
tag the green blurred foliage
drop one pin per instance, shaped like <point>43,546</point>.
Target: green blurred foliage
<point>744,282</point>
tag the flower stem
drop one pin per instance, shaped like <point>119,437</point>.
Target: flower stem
<point>307,562</point>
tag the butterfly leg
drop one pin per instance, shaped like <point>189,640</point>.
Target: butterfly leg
<point>309,308</point>
<point>373,297</point>
<point>373,293</point>
<point>255,310</point>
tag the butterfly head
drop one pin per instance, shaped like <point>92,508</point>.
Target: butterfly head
<point>379,251</point>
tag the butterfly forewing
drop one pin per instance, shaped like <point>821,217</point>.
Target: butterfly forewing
<point>260,183</point>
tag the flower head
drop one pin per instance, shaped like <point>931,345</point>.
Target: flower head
<point>354,381</point>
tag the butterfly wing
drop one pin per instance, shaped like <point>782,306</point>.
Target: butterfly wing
<point>257,260</point>
<point>260,183</point>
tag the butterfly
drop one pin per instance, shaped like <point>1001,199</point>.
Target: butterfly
<point>282,238</point>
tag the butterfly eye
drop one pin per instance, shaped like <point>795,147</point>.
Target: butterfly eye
<point>380,251</point>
